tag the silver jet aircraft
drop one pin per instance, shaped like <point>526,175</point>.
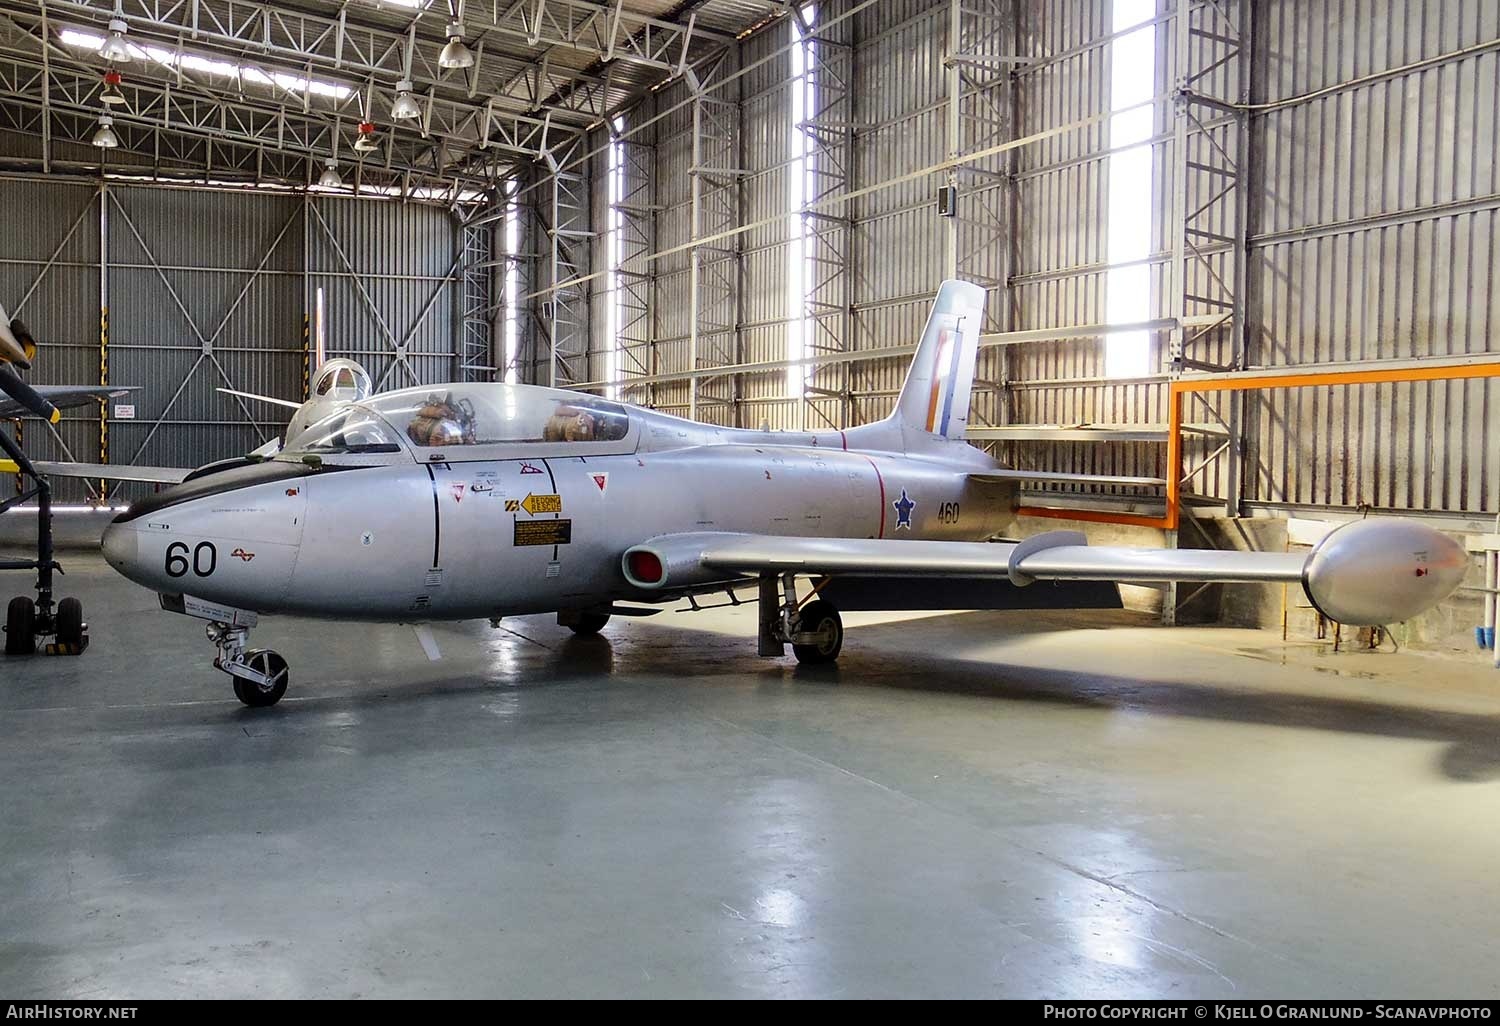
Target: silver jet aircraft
<point>468,501</point>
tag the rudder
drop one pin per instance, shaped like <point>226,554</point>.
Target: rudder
<point>935,396</point>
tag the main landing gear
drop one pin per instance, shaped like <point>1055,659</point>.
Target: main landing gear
<point>584,624</point>
<point>260,675</point>
<point>26,620</point>
<point>812,627</point>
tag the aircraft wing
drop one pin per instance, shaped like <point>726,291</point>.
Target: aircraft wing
<point>1067,557</point>
<point>64,397</point>
<point>1369,572</point>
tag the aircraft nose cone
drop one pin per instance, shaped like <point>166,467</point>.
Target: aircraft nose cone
<point>121,545</point>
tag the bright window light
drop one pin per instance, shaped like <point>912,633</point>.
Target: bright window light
<point>614,249</point>
<point>1127,290</point>
<point>224,69</point>
<point>512,281</point>
<point>801,179</point>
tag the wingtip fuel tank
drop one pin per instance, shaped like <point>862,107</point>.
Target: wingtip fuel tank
<point>1375,572</point>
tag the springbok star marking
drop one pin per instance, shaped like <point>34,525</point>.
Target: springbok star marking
<point>904,506</point>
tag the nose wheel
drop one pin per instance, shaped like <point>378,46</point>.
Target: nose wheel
<point>272,670</point>
<point>260,675</point>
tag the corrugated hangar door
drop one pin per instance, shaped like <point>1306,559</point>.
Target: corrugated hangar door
<point>49,278</point>
<point>205,292</point>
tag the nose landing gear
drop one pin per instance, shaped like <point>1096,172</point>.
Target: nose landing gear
<point>260,675</point>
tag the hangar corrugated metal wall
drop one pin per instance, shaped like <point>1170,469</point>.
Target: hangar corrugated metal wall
<point>1368,233</point>
<point>1368,228</point>
<point>1374,237</point>
<point>208,289</point>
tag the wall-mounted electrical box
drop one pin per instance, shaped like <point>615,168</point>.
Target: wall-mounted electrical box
<point>947,201</point>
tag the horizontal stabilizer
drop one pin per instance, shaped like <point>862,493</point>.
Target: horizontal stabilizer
<point>263,398</point>
<point>25,399</point>
<point>61,397</point>
<point>113,472</point>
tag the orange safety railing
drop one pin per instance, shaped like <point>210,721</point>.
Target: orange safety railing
<point>1245,381</point>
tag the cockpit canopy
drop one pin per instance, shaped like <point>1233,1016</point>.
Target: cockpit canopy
<point>341,379</point>
<point>470,421</point>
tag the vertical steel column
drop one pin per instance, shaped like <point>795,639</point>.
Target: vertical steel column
<point>979,237</point>
<point>499,263</point>
<point>1210,215</point>
<point>565,311</point>
<point>954,128</point>
<point>828,234</point>
<point>1210,202</point>
<point>714,271</point>
<point>636,211</point>
<point>307,297</point>
<point>1240,329</point>
<point>103,200</point>
<point>476,355</point>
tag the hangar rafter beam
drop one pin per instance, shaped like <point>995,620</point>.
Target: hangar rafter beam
<point>354,43</point>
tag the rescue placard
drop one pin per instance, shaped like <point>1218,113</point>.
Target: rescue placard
<point>544,532</point>
<point>535,504</point>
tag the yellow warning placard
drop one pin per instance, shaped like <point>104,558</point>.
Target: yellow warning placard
<point>543,532</point>
<point>535,504</point>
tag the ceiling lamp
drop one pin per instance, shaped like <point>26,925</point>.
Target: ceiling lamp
<point>456,54</point>
<point>112,95</point>
<point>104,136</point>
<point>405,108</point>
<point>114,49</point>
<point>365,141</point>
<point>330,178</point>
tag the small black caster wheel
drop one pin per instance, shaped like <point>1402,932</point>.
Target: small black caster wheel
<point>589,623</point>
<point>256,696</point>
<point>70,623</point>
<point>821,619</point>
<point>20,623</point>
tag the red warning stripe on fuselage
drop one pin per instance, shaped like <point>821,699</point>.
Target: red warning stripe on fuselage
<point>880,481</point>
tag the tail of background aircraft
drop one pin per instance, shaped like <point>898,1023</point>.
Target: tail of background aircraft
<point>935,397</point>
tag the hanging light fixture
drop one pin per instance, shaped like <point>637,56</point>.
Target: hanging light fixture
<point>405,108</point>
<point>365,141</point>
<point>112,95</point>
<point>456,54</point>
<point>330,178</point>
<point>104,135</point>
<point>114,48</point>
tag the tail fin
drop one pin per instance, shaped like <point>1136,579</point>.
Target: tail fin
<point>935,397</point>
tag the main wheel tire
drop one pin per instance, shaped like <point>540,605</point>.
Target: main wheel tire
<point>821,618</point>
<point>20,623</point>
<point>70,622</point>
<point>589,623</point>
<point>263,660</point>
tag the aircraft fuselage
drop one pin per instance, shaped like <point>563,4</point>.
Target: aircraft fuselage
<point>461,540</point>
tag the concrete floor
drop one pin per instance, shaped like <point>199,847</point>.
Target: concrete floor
<point>983,804</point>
